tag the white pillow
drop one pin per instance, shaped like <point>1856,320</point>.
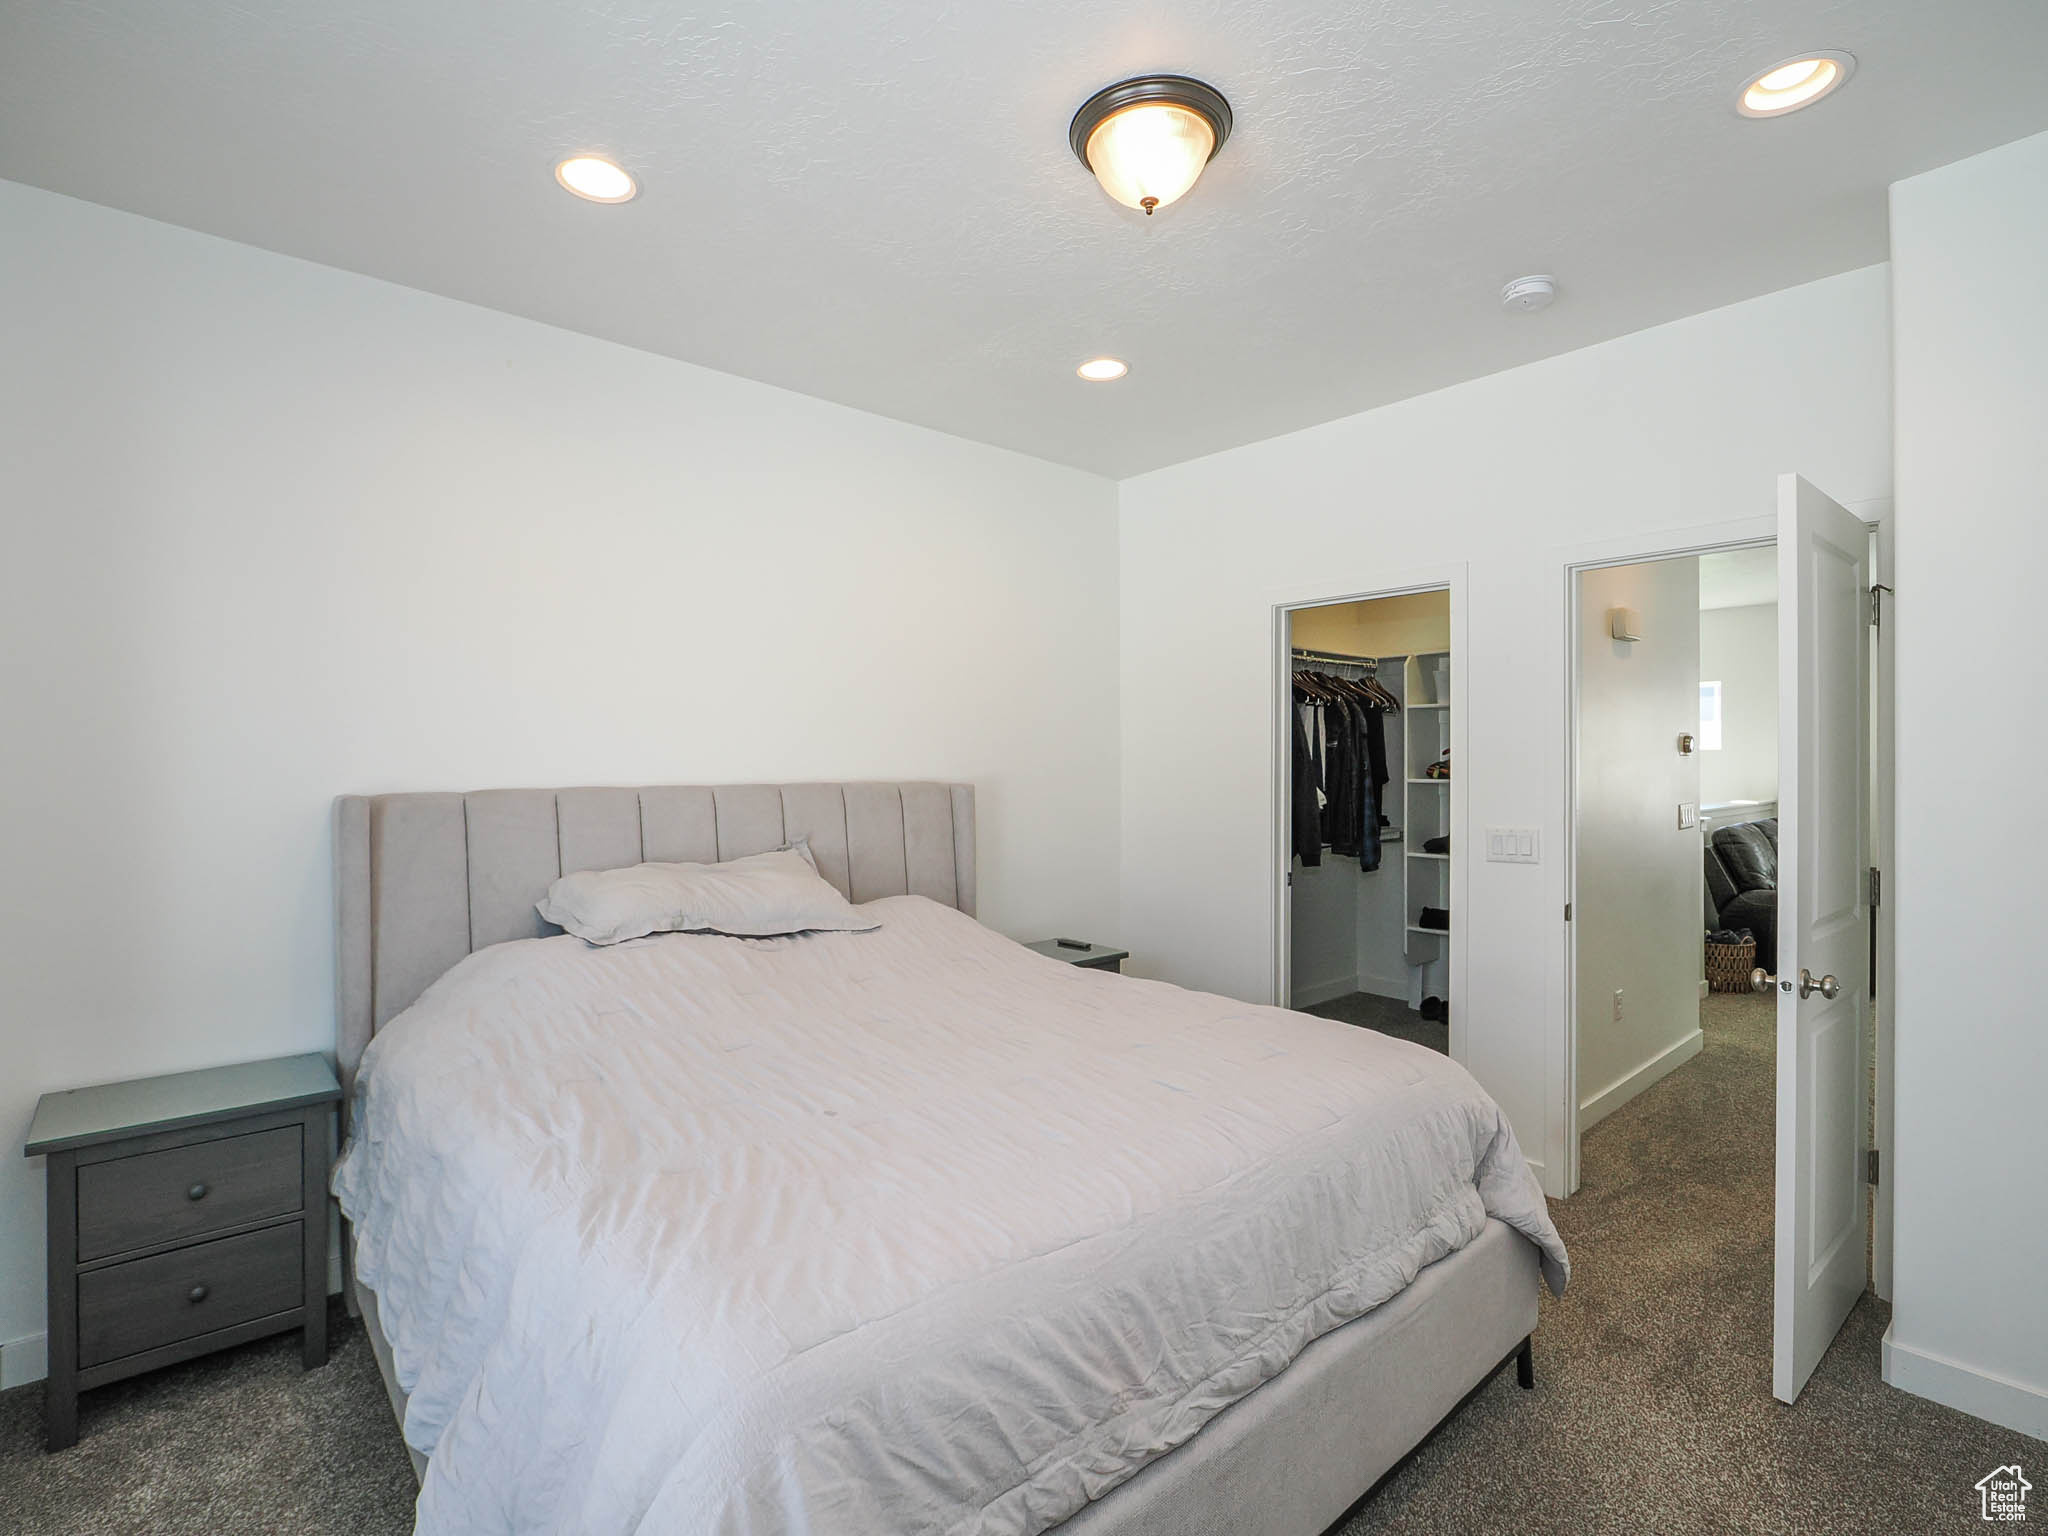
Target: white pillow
<point>755,897</point>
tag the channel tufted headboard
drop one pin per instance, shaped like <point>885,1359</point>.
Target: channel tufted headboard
<point>420,880</point>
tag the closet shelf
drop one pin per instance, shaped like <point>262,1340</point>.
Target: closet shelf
<point>1416,853</point>
<point>1429,781</point>
<point>1426,704</point>
<point>1435,933</point>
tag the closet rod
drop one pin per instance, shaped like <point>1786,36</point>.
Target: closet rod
<point>1356,661</point>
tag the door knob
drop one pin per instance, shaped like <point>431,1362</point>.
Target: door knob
<point>1827,986</point>
<point>1761,980</point>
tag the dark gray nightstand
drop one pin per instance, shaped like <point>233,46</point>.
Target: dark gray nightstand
<point>187,1213</point>
<point>1095,957</point>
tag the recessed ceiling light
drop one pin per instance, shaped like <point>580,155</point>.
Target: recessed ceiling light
<point>1148,139</point>
<point>1103,370</point>
<point>596,178</point>
<point>1794,84</point>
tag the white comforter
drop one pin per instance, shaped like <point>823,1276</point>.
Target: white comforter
<point>893,1232</point>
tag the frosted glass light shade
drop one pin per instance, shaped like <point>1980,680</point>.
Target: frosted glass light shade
<point>1146,139</point>
<point>1149,155</point>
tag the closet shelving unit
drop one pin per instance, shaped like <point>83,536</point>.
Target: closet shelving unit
<point>1426,813</point>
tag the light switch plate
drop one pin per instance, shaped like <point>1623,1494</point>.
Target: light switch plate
<point>1514,845</point>
<point>1688,815</point>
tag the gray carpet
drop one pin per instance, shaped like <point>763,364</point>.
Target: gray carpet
<point>1390,1016</point>
<point>242,1443</point>
<point>1652,1409</point>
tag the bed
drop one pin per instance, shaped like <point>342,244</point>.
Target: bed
<point>908,1230</point>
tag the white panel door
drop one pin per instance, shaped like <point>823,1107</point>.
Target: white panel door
<point>1823,925</point>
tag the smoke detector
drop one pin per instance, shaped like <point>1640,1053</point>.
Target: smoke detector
<point>1529,294</point>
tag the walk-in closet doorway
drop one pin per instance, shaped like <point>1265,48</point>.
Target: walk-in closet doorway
<point>1369,734</point>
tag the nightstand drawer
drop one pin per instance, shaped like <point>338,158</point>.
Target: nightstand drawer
<point>166,1197</point>
<point>125,1309</point>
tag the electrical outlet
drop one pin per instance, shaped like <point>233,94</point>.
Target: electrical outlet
<point>1617,1005</point>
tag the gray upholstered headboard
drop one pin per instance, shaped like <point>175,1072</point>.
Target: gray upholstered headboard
<point>421,880</point>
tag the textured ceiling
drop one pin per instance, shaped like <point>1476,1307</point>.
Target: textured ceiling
<point>875,202</point>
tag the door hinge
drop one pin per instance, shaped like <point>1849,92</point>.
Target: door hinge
<point>1567,911</point>
<point>1290,879</point>
<point>1870,1160</point>
<point>1876,886</point>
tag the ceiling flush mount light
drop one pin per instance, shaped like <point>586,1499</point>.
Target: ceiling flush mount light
<point>595,178</point>
<point>1794,84</point>
<point>1103,370</point>
<point>1147,140</point>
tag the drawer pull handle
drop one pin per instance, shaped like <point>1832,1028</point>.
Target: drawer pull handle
<point>196,1294</point>
<point>196,1192</point>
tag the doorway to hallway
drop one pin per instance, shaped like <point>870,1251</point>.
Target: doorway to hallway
<point>1643,870</point>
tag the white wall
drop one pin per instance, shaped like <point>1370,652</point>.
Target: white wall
<point>1739,648</point>
<point>1323,936</point>
<point>1502,480</point>
<point>1638,912</point>
<point>1970,1209</point>
<point>274,532</point>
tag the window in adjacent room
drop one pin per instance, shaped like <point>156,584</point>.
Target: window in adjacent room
<point>1710,717</point>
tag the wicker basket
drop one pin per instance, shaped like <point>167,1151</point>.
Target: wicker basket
<point>1729,965</point>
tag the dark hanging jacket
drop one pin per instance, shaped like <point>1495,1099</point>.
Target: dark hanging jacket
<point>1308,817</point>
<point>1375,789</point>
<point>1376,749</point>
<point>1344,776</point>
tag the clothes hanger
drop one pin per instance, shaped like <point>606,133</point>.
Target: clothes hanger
<point>1385,699</point>
<point>1311,687</point>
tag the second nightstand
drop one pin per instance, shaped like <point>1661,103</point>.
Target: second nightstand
<point>186,1213</point>
<point>1090,957</point>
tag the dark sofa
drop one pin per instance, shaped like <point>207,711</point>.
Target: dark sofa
<point>1742,884</point>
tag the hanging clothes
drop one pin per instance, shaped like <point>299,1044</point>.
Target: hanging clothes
<point>1308,795</point>
<point>1340,765</point>
<point>1372,779</point>
<point>1341,777</point>
<point>1376,749</point>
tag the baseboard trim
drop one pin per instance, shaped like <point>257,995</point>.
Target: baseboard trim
<point>1982,1394</point>
<point>1619,1092</point>
<point>1308,994</point>
<point>24,1360</point>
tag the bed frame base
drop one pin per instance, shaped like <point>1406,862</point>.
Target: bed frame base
<point>1524,1361</point>
<point>1356,1404</point>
